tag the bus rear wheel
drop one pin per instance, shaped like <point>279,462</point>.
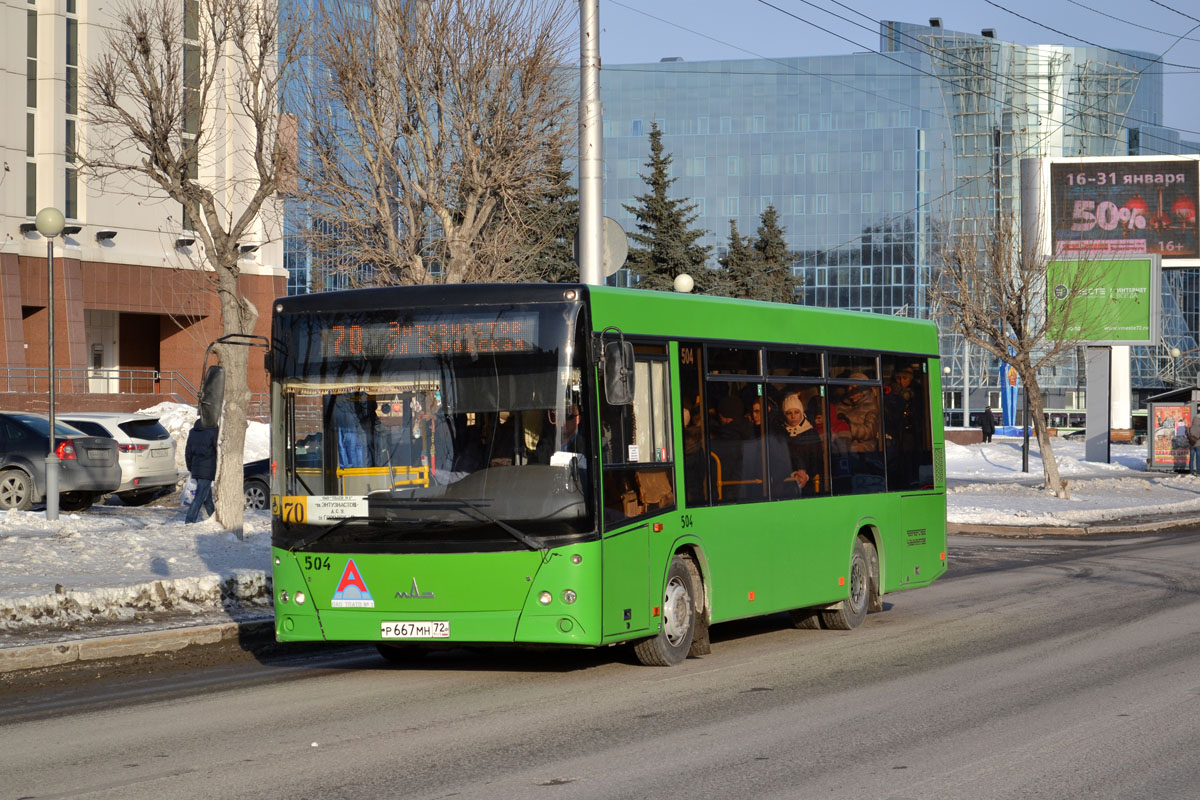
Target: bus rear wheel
<point>849,614</point>
<point>674,639</point>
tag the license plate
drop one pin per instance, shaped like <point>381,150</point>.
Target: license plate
<point>416,630</point>
<point>158,453</point>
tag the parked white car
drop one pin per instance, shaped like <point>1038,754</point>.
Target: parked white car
<point>147,452</point>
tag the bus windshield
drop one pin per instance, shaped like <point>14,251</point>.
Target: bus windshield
<point>440,426</point>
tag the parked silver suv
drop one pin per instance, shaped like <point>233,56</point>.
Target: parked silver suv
<point>147,452</point>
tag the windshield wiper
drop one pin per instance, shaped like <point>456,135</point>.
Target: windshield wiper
<point>459,504</point>
<point>308,540</point>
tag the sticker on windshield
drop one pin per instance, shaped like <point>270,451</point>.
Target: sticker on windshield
<point>320,509</point>
<point>352,590</point>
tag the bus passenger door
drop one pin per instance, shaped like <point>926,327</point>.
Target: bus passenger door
<point>637,486</point>
<point>626,582</point>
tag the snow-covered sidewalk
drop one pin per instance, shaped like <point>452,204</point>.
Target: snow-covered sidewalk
<point>134,567</point>
<point>988,487</point>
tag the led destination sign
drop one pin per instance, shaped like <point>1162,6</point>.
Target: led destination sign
<point>449,334</point>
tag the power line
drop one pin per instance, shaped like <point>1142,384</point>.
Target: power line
<point>1094,44</point>
<point>1098,12</point>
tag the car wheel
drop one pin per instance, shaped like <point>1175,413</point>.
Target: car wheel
<point>849,614</point>
<point>76,501</point>
<point>16,490</point>
<point>673,641</point>
<point>258,496</point>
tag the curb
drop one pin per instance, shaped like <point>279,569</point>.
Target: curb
<point>136,644</point>
<point>1034,531</point>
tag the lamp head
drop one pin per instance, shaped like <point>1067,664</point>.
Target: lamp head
<point>49,222</point>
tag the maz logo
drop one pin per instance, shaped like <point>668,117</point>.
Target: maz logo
<point>415,594</point>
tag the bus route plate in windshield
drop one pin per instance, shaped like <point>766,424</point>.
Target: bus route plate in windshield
<point>321,509</point>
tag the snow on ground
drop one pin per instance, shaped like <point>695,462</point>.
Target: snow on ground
<point>138,566</point>
<point>988,487</point>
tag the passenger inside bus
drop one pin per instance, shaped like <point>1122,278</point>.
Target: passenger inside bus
<point>805,448</point>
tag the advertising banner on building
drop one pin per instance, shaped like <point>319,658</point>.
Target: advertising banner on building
<point>1125,206</point>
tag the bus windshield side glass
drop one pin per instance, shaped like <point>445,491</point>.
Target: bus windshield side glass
<point>433,427</point>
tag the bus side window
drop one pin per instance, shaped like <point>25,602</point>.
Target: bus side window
<point>695,426</point>
<point>636,447</point>
<point>907,438</point>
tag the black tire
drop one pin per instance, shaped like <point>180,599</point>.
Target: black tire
<point>674,638</point>
<point>257,494</point>
<point>16,490</point>
<point>76,501</point>
<point>849,614</point>
<point>875,598</point>
<point>807,619</point>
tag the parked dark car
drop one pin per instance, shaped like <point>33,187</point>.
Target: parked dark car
<point>256,483</point>
<point>256,475</point>
<point>89,466</point>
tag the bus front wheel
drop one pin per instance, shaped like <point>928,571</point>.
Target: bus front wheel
<point>849,614</point>
<point>674,639</point>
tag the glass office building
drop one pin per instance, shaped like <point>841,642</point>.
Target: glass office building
<point>839,145</point>
<point>863,155</point>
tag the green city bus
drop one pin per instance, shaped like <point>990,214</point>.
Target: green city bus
<point>573,465</point>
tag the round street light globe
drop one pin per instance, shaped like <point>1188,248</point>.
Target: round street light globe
<point>684,283</point>
<point>49,222</point>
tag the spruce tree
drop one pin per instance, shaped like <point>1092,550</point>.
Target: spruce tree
<point>774,280</point>
<point>555,220</point>
<point>738,266</point>
<point>664,245</point>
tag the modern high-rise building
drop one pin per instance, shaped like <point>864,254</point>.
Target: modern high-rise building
<point>133,309</point>
<point>864,155</point>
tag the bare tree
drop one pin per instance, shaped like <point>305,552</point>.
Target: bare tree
<point>994,292</point>
<point>432,127</point>
<point>183,100</point>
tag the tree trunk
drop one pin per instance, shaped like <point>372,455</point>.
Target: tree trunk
<point>1053,481</point>
<point>239,317</point>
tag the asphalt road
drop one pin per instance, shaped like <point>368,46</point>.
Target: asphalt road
<point>1036,668</point>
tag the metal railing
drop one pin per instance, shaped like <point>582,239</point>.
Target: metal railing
<point>97,381</point>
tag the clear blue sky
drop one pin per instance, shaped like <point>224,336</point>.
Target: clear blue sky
<point>640,31</point>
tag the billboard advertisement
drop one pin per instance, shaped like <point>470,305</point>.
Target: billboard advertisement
<point>1125,206</point>
<point>1170,449</point>
<point>1105,301</point>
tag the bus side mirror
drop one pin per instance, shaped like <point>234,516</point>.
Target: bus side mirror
<point>618,373</point>
<point>212,396</point>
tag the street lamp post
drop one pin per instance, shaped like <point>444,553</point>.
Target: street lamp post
<point>945,383</point>
<point>50,224</point>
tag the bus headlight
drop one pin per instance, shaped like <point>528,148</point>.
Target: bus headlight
<point>283,596</point>
<point>569,596</point>
<point>544,598</point>
<point>299,598</point>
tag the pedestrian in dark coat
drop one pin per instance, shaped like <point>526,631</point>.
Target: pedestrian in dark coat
<point>200,455</point>
<point>987,424</point>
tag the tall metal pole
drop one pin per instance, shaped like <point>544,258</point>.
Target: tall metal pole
<point>591,141</point>
<point>49,222</point>
<point>52,457</point>
<point>1025,433</point>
